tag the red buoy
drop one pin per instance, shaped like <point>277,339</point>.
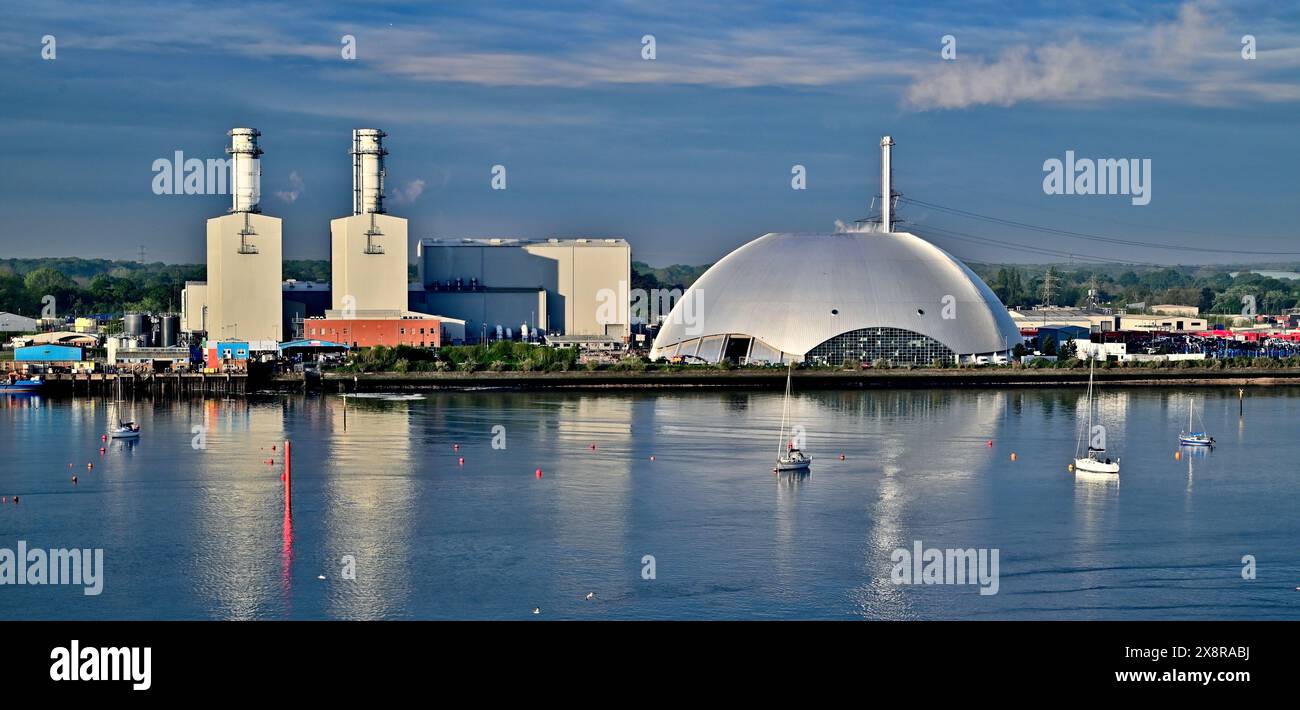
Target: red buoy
<point>841,457</point>
<point>652,458</point>
<point>103,437</point>
<point>101,449</point>
<point>455,447</point>
<point>15,500</point>
<point>593,447</point>
<point>461,461</point>
<point>273,447</point>
<point>539,473</point>
<point>990,443</point>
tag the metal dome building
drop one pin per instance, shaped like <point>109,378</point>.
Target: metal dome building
<point>831,297</point>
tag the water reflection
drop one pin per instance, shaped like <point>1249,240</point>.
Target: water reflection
<point>235,570</point>
<point>202,532</point>
<point>370,483</point>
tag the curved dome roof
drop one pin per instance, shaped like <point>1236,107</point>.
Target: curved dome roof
<point>795,291</point>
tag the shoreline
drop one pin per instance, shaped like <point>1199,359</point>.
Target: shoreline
<point>242,385</point>
<point>775,378</point>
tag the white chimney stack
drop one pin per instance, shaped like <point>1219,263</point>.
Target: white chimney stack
<point>886,186</point>
<point>245,170</point>
<point>368,171</point>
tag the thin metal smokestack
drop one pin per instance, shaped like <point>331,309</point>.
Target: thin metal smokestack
<point>245,170</point>
<point>368,171</point>
<point>886,186</point>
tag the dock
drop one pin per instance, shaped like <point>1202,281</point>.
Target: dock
<point>166,384</point>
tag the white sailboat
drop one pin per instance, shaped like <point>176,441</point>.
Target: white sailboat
<point>125,430</point>
<point>1093,461</point>
<point>789,458</point>
<point>1194,438</point>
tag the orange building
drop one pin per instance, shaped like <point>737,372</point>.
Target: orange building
<point>363,331</point>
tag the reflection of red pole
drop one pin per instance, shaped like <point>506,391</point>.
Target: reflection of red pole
<point>288,478</point>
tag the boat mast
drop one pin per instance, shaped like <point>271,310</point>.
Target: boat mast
<point>1092,363</point>
<point>785,405</point>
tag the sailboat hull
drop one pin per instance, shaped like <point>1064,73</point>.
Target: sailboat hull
<point>794,465</point>
<point>1095,466</point>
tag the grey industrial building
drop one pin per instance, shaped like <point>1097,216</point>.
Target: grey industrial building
<point>555,286</point>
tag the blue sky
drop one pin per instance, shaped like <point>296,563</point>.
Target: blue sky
<point>688,155</point>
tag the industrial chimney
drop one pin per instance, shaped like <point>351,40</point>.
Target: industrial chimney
<point>368,171</point>
<point>886,186</point>
<point>245,170</point>
<point>368,248</point>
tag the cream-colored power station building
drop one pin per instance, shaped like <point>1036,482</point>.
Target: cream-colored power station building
<point>368,249</point>
<point>245,255</point>
<point>500,287</point>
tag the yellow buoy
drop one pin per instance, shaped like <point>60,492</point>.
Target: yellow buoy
<point>1178,455</point>
<point>1070,467</point>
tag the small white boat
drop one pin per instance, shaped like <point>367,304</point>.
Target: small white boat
<point>1092,464</point>
<point>1094,460</point>
<point>126,430</point>
<point>1194,438</point>
<point>790,458</point>
<point>794,460</point>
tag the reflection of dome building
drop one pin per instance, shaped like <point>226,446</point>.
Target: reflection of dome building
<point>831,297</point>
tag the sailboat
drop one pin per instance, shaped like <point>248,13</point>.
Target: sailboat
<point>1194,438</point>
<point>1092,462</point>
<point>789,458</point>
<point>125,430</point>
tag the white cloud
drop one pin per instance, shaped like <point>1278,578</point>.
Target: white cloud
<point>296,188</point>
<point>409,193</point>
<point>1189,58</point>
<point>1194,58</point>
<point>1069,71</point>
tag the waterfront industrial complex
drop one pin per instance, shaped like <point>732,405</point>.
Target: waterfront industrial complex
<point>869,295</point>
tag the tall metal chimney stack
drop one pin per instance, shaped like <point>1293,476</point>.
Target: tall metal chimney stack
<point>245,170</point>
<point>368,171</point>
<point>886,186</point>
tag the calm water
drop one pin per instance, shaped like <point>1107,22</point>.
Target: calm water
<point>201,533</point>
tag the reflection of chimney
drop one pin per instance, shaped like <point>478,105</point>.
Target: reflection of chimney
<point>886,186</point>
<point>245,172</point>
<point>368,171</point>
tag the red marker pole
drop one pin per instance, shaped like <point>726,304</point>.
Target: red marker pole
<point>288,478</point>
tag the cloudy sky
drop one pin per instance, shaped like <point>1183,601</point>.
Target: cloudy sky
<point>688,154</point>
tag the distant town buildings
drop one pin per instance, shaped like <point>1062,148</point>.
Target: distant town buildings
<point>12,323</point>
